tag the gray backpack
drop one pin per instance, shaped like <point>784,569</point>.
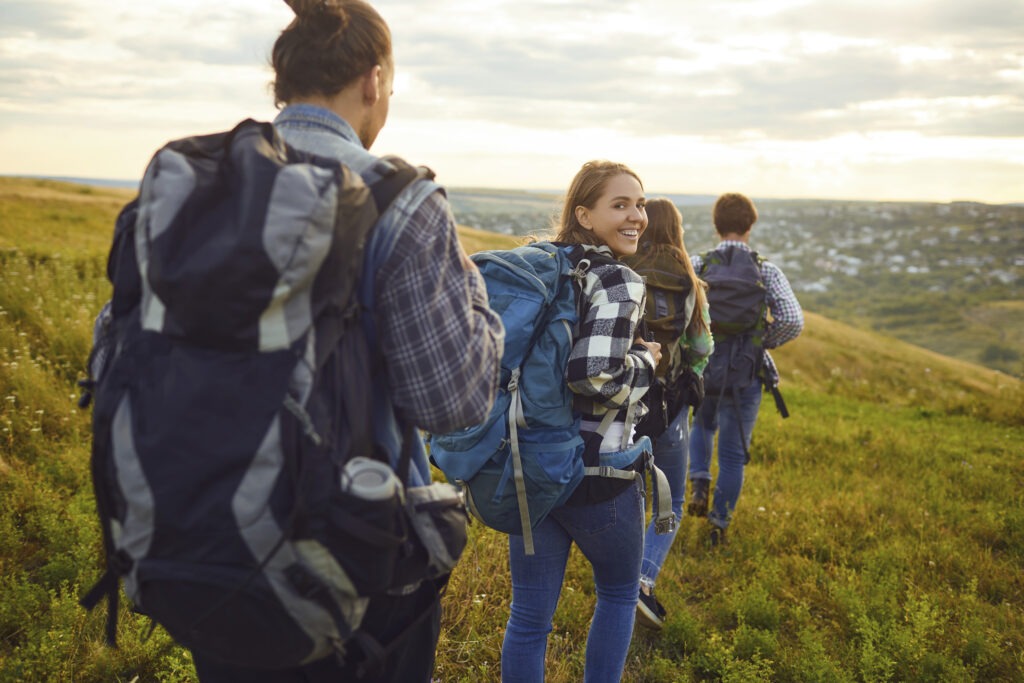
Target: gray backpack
<point>244,501</point>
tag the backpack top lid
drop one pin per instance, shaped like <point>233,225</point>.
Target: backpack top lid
<point>736,290</point>
<point>221,258</point>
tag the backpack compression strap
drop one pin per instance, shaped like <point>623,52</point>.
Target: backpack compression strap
<point>517,419</point>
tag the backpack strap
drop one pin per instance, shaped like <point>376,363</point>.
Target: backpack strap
<point>780,404</point>
<point>664,519</point>
<point>515,421</point>
<point>387,179</point>
<point>394,174</point>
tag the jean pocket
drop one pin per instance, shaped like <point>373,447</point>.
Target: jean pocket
<point>589,519</point>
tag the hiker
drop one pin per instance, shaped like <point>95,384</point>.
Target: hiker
<point>731,410</point>
<point>333,77</point>
<point>609,369</point>
<point>677,315</point>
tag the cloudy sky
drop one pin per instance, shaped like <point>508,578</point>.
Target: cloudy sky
<point>873,99</point>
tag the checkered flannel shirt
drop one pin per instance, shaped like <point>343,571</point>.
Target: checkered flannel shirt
<point>605,366</point>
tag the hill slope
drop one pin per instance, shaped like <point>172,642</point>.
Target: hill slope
<point>880,535</point>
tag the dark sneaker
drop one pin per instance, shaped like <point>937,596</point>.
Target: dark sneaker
<point>717,536</point>
<point>698,505</point>
<point>649,611</point>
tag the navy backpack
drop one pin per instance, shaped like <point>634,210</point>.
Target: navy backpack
<point>739,316</point>
<point>243,501</point>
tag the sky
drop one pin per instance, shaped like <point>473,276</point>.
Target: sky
<point>873,99</point>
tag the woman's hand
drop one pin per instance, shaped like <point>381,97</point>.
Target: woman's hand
<point>652,346</point>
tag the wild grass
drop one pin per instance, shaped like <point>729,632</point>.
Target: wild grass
<point>880,535</point>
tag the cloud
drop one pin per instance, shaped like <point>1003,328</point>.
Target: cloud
<point>213,36</point>
<point>979,23</point>
<point>552,75</point>
<point>33,18</point>
<point>812,70</point>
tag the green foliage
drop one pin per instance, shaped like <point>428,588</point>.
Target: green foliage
<point>997,353</point>
<point>880,536</point>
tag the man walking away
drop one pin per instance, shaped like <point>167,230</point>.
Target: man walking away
<point>440,342</point>
<point>743,289</point>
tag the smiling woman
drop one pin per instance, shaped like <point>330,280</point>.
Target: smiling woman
<point>618,217</point>
<point>609,370</point>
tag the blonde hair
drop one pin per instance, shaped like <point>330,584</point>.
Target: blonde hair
<point>586,188</point>
<point>665,231</point>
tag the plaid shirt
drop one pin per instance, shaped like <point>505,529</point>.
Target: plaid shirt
<point>442,341</point>
<point>605,366</point>
<point>787,317</point>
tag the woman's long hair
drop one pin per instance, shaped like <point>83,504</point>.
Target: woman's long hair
<point>665,232</point>
<point>586,188</point>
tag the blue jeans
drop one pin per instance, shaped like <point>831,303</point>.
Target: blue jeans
<point>670,455</point>
<point>723,417</point>
<point>609,536</point>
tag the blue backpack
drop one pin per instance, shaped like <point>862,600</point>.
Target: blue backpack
<point>736,301</point>
<point>527,458</point>
<point>245,499</point>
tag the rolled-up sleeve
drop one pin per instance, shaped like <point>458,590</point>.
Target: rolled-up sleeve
<point>442,342</point>
<point>604,364</point>
<point>787,320</point>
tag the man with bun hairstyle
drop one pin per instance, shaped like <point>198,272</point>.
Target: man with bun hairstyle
<point>440,341</point>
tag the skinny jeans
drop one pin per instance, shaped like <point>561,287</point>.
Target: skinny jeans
<point>670,456</point>
<point>722,415</point>
<point>609,534</point>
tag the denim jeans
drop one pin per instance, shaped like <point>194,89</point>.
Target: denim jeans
<point>609,535</point>
<point>670,455</point>
<point>721,415</point>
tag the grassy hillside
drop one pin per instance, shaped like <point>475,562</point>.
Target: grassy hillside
<point>51,217</point>
<point>880,536</point>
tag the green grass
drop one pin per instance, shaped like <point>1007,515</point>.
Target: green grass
<point>880,536</point>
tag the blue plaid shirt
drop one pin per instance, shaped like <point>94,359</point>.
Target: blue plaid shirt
<point>441,341</point>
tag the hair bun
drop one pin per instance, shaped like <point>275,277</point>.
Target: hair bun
<point>303,8</point>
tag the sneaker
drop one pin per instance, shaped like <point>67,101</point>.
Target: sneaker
<point>698,505</point>
<point>649,611</point>
<point>716,536</point>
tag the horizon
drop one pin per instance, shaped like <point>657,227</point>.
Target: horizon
<point>125,183</point>
<point>920,101</point>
